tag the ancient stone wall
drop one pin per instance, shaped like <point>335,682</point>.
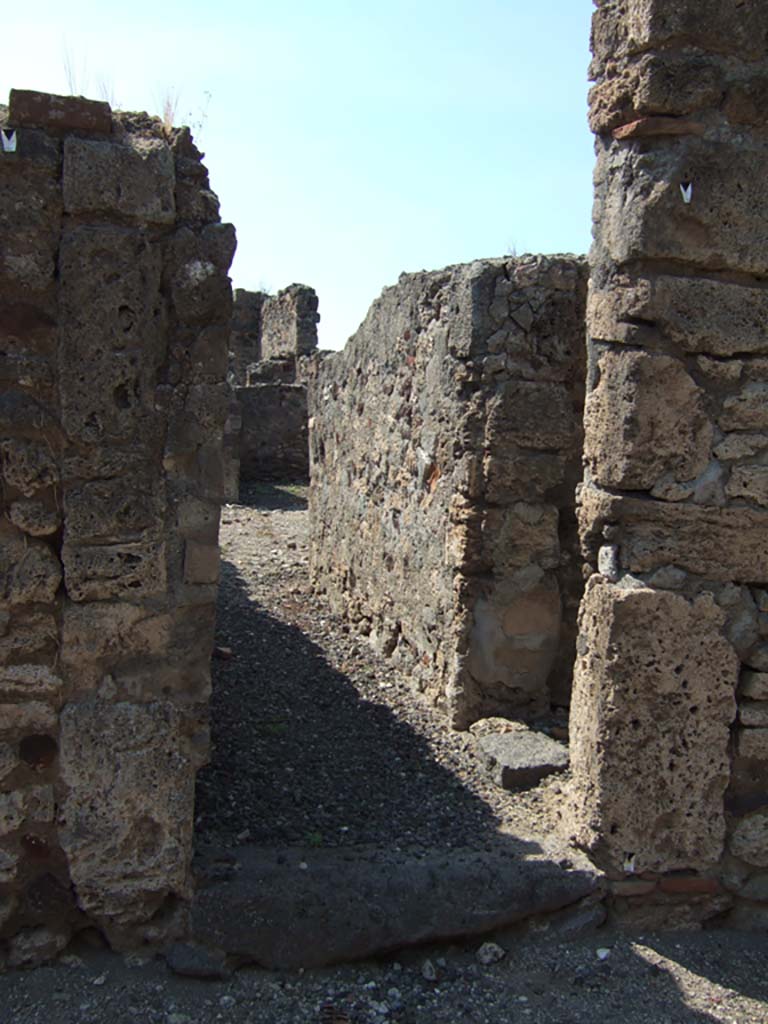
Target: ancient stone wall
<point>273,338</point>
<point>289,323</point>
<point>445,447</point>
<point>670,714</point>
<point>114,323</point>
<point>245,340</point>
<point>273,435</point>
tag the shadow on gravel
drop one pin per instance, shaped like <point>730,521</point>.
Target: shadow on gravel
<point>273,496</point>
<point>734,960</point>
<point>325,830</point>
<point>299,758</point>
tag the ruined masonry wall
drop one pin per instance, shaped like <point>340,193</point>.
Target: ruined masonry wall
<point>669,723</point>
<point>274,441</point>
<point>289,323</point>
<point>114,322</point>
<point>273,338</point>
<point>445,448</point>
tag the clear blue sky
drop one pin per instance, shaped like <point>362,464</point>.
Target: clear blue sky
<point>349,141</point>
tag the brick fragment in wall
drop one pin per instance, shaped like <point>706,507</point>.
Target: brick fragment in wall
<point>461,387</point>
<point>104,649</point>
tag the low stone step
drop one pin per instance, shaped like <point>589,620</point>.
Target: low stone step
<point>521,758</point>
<point>304,907</point>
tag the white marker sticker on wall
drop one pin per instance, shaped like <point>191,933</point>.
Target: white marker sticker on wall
<point>686,188</point>
<point>8,137</point>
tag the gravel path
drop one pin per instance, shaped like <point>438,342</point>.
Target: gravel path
<point>317,739</point>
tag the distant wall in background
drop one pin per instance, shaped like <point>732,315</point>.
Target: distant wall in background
<point>272,338</point>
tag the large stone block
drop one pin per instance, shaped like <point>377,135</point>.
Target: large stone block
<point>197,270</point>
<point>126,822</point>
<point>106,511</point>
<point>652,706</point>
<point>666,82</point>
<point>103,572</point>
<point>622,27</point>
<point>532,414</point>
<point>134,178</point>
<point>712,542</point>
<point>644,214</point>
<point>644,419</point>
<point>720,318</point>
<point>111,299</point>
<point>27,108</point>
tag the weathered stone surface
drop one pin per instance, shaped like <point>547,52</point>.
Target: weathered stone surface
<point>104,511</point>
<point>462,387</point>
<point>34,518</point>
<point>722,318</point>
<point>754,714</point>
<point>644,215</point>
<point>198,282</point>
<point>622,27</point>
<point>100,573</point>
<point>752,743</point>
<point>289,323</point>
<point>125,824</point>
<point>133,178</point>
<point>36,578</point>
<point>274,435</point>
<point>28,466</point>
<point>654,414</point>
<point>201,562</point>
<point>27,108</point>
<point>754,685</point>
<point>273,913</point>
<point>97,372</point>
<point>33,716</point>
<point>521,758</point>
<point>653,701</point>
<point>28,681</point>
<point>749,840</point>
<point>715,543</point>
<point>747,410</point>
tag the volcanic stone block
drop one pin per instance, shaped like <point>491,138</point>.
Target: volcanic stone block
<point>715,543</point>
<point>652,707</point>
<point>127,818</point>
<point>27,108</point>
<point>700,315</point>
<point>644,214</point>
<point>105,511</point>
<point>655,417</point>
<point>622,27</point>
<point>111,301</point>
<point>99,573</point>
<point>134,178</point>
<point>521,758</point>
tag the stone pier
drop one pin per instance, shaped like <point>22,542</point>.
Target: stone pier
<point>669,719</point>
<point>114,323</point>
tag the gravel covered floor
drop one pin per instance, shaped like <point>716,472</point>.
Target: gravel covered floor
<point>317,740</point>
